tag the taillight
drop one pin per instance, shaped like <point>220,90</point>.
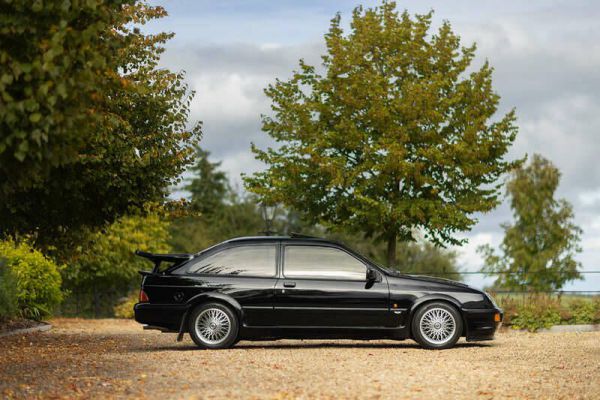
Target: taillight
<point>144,297</point>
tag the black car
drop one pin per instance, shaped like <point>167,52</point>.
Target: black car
<point>263,288</point>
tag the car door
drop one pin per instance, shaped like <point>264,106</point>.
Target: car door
<point>245,272</point>
<point>326,286</point>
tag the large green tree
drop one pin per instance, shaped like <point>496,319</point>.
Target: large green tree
<point>90,127</point>
<point>396,135</point>
<point>539,247</point>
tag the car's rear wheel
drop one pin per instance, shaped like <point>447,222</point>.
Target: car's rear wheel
<point>437,325</point>
<point>213,326</point>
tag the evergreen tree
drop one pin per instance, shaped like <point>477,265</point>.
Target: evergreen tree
<point>209,187</point>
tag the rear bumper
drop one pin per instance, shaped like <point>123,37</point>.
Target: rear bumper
<point>482,324</point>
<point>162,315</point>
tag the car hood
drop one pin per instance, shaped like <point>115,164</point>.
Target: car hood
<point>423,278</point>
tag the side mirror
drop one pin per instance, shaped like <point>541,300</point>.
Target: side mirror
<point>372,275</point>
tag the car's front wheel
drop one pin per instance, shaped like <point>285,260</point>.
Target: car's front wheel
<point>437,325</point>
<point>213,326</point>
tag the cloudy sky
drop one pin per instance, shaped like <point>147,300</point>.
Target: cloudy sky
<point>546,56</point>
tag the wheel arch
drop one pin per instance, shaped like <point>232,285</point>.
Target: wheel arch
<point>422,301</point>
<point>211,297</point>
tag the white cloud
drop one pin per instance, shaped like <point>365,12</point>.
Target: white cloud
<point>270,46</point>
<point>468,257</point>
<point>242,162</point>
<point>563,130</point>
<point>227,96</point>
<point>590,197</point>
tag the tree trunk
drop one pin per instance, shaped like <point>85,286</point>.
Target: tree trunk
<point>391,251</point>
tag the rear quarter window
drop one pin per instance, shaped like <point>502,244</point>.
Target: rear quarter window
<point>251,260</point>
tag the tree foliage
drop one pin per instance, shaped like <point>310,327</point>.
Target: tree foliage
<point>419,257</point>
<point>193,233</point>
<point>424,258</point>
<point>53,55</point>
<point>108,257</point>
<point>104,268</point>
<point>395,136</point>
<point>90,127</point>
<point>539,247</point>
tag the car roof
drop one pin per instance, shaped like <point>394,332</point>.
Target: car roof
<point>267,239</point>
<point>280,239</point>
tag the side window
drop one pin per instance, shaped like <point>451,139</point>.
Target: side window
<point>322,263</point>
<point>258,260</point>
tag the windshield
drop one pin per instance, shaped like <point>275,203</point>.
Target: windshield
<point>389,270</point>
<point>378,265</point>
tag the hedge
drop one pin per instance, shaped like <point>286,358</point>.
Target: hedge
<point>541,311</point>
<point>36,280</point>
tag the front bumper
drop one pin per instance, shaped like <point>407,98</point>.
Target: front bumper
<point>482,324</point>
<point>167,316</point>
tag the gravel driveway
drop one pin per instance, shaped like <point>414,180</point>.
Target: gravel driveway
<point>115,358</point>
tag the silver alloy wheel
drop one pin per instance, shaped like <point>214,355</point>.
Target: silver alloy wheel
<point>437,325</point>
<point>213,326</point>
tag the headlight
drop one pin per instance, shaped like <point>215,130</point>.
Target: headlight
<point>491,299</point>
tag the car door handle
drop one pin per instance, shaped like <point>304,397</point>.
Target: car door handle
<point>289,284</point>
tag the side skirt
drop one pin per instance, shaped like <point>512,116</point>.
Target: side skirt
<point>317,332</point>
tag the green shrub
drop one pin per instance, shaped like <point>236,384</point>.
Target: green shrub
<point>582,311</point>
<point>536,313</point>
<point>8,293</point>
<point>38,279</point>
<point>596,303</point>
<point>125,308</point>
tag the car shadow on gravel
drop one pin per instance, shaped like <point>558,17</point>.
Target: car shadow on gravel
<point>304,345</point>
<point>345,345</point>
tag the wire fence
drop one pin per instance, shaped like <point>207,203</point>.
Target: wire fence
<point>518,292</point>
<point>501,272</point>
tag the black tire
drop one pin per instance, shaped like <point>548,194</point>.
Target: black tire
<point>215,314</point>
<point>437,325</point>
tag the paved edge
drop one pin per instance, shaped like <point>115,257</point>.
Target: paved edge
<point>571,328</point>
<point>40,328</point>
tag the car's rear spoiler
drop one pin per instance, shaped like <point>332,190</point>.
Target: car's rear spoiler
<point>157,259</point>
